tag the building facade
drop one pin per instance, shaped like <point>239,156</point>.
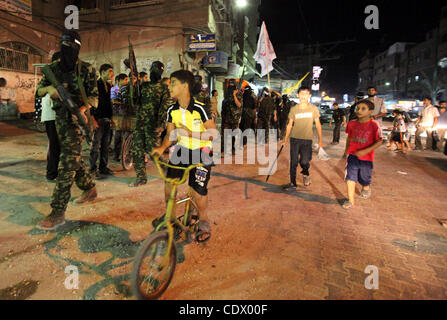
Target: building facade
<point>409,70</point>
<point>158,30</point>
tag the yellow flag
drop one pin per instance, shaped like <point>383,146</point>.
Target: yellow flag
<point>290,90</point>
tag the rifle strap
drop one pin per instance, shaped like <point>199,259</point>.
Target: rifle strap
<point>81,85</point>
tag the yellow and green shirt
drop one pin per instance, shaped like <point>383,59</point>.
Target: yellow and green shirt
<point>194,118</point>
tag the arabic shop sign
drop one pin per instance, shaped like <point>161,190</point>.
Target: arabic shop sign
<point>202,42</point>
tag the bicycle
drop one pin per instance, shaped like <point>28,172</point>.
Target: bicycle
<point>149,279</point>
<point>126,150</point>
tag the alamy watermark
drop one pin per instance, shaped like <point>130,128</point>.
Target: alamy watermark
<point>256,150</point>
<point>72,281</point>
<point>372,20</point>
<point>372,281</point>
<point>72,20</point>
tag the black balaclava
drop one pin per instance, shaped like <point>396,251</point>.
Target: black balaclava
<point>156,72</point>
<point>70,53</point>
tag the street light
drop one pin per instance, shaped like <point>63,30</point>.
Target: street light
<point>241,3</point>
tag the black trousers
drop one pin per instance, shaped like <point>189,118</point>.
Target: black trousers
<point>302,149</point>
<point>54,149</point>
<point>100,147</point>
<point>337,128</point>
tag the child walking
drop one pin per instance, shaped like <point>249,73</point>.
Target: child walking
<point>364,136</point>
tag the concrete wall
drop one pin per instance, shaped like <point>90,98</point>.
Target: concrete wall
<point>21,89</point>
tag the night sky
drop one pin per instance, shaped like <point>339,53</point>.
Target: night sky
<point>327,21</point>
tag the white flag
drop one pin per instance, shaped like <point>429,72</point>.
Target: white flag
<point>265,53</point>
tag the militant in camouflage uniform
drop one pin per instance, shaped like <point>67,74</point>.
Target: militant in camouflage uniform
<point>248,111</point>
<point>151,116</point>
<point>71,166</point>
<point>283,115</point>
<point>231,112</point>
<point>201,95</point>
<point>266,110</point>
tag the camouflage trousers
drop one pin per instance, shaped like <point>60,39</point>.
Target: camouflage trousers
<point>71,166</point>
<point>143,142</point>
<point>263,123</point>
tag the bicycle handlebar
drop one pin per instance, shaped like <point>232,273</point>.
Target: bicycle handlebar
<point>175,181</point>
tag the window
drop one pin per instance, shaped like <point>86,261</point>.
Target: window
<point>18,56</point>
<point>13,60</point>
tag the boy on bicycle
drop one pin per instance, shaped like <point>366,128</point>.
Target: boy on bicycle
<point>189,125</point>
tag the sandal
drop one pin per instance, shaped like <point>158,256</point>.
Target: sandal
<point>348,205</point>
<point>204,232</point>
<point>289,186</point>
<point>365,194</point>
<point>306,181</point>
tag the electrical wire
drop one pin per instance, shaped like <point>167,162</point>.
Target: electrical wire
<point>110,23</point>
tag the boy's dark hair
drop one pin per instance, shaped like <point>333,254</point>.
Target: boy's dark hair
<point>142,74</point>
<point>303,88</point>
<point>335,104</point>
<point>56,56</point>
<point>442,101</point>
<point>396,111</point>
<point>212,92</point>
<point>368,103</point>
<point>185,76</point>
<point>427,98</point>
<point>121,76</point>
<point>371,87</point>
<point>2,82</point>
<point>105,67</point>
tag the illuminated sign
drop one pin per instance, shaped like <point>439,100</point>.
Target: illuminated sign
<point>316,72</point>
<point>202,42</point>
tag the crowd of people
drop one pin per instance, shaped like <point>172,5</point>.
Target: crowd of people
<point>154,107</point>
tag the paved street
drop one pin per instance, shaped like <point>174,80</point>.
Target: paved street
<point>266,243</point>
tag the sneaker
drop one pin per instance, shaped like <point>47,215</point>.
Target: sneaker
<point>289,186</point>
<point>106,171</point>
<point>137,183</point>
<point>86,196</point>
<point>51,222</point>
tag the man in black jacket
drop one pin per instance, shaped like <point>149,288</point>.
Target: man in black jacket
<point>103,116</point>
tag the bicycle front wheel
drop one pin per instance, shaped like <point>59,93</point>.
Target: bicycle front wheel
<point>153,269</point>
<point>126,152</point>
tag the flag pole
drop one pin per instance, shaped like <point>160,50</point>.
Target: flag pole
<point>266,53</point>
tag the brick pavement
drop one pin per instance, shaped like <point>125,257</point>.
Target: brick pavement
<point>273,245</point>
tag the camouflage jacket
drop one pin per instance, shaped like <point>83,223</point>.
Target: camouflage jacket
<point>231,112</point>
<point>154,106</point>
<point>70,81</point>
<point>266,108</point>
<point>204,98</point>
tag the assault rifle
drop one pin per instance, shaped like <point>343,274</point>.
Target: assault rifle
<point>69,104</point>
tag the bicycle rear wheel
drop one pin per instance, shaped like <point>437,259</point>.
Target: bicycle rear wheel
<point>152,272</point>
<point>126,151</point>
